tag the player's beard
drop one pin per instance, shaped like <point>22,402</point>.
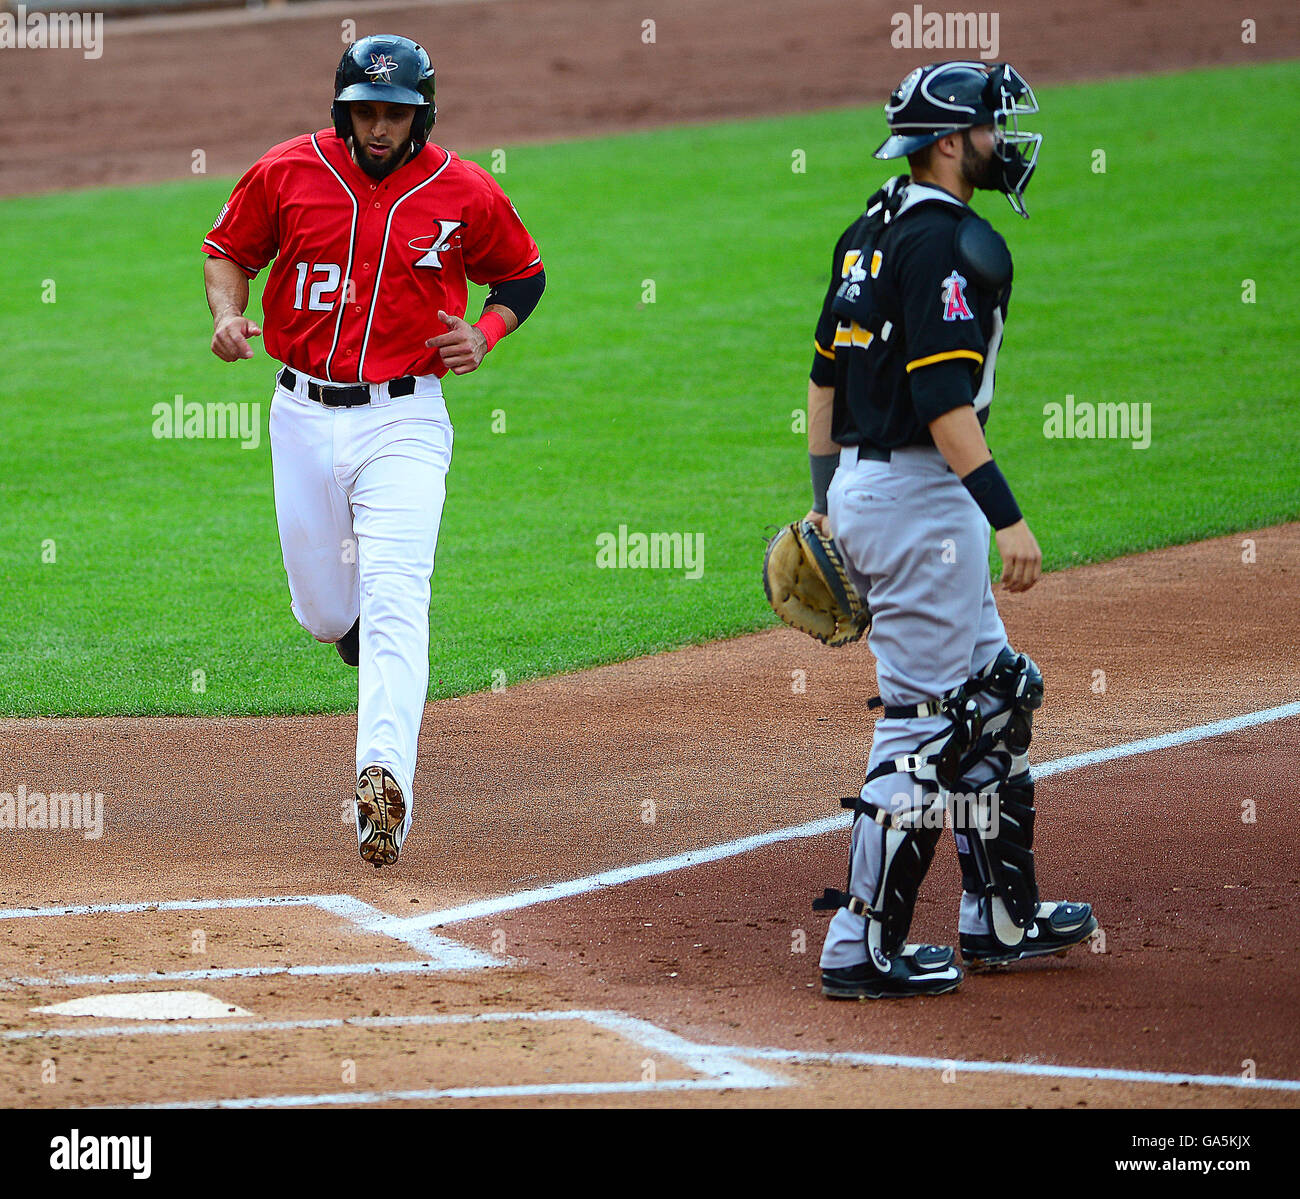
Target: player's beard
<point>984,173</point>
<point>381,170</point>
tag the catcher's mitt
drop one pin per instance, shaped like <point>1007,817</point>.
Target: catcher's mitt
<point>809,588</point>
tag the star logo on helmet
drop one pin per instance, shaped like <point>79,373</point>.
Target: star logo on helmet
<point>381,68</point>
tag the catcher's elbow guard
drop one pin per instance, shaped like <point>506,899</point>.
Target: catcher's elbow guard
<point>808,586</point>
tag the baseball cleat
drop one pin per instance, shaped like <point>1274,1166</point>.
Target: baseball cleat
<point>381,816</point>
<point>349,645</point>
<point>918,970</point>
<point>1056,928</point>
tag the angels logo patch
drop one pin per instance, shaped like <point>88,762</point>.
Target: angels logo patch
<point>435,244</point>
<point>953,298</point>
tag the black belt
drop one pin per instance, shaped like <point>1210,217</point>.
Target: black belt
<point>873,453</point>
<point>345,397</point>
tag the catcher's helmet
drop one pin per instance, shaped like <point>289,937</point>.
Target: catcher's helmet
<point>946,97</point>
<point>389,68</point>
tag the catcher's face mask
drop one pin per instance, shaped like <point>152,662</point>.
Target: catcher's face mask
<point>1011,98</point>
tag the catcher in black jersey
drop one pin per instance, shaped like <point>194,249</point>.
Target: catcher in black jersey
<point>901,384</point>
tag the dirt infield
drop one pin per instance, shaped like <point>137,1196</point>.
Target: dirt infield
<point>542,69</point>
<point>1188,852</point>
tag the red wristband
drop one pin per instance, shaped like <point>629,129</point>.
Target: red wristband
<point>493,326</point>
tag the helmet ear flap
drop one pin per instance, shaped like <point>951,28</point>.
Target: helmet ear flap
<point>341,112</point>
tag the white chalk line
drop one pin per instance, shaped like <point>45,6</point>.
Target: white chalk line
<point>814,828</point>
<point>440,953</point>
<point>165,905</point>
<point>1232,724</point>
<point>721,1065</point>
<point>341,969</point>
<point>1024,1069</point>
<point>517,1091</point>
<point>720,1070</point>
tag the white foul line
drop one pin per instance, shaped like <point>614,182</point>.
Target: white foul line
<point>1030,1069</point>
<point>611,878</point>
<point>721,1065</point>
<point>1216,728</point>
<point>814,828</point>
<point>720,1070</point>
<point>516,1091</point>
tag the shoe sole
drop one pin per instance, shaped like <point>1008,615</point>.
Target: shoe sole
<point>1019,955</point>
<point>382,807</point>
<point>869,993</point>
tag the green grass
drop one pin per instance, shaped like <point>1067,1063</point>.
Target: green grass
<point>671,415</point>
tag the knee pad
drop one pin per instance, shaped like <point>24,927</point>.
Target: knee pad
<point>993,826</point>
<point>1015,684</point>
<point>908,841</point>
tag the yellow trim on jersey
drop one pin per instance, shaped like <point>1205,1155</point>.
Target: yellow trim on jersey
<point>853,334</point>
<point>823,353</point>
<point>944,357</point>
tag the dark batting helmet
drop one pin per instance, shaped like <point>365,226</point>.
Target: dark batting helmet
<point>947,97</point>
<point>388,68</point>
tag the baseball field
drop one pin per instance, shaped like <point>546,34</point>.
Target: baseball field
<point>627,789</point>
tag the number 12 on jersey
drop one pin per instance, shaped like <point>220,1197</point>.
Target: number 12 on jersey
<point>315,300</point>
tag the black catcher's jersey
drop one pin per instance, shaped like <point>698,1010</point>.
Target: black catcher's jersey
<point>908,330</point>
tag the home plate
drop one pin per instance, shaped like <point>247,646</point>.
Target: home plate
<point>147,1005</point>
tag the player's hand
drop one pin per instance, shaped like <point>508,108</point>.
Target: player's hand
<point>230,338</point>
<point>1022,560</point>
<point>821,520</point>
<point>462,347</point>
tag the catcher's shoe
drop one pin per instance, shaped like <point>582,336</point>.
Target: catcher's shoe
<point>1056,928</point>
<point>349,645</point>
<point>918,970</point>
<point>381,816</point>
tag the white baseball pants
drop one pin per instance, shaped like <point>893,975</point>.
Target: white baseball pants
<point>358,497</point>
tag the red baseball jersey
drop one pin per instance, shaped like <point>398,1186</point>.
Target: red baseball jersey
<point>362,265</point>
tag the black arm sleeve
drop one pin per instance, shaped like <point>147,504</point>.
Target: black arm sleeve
<point>519,295</point>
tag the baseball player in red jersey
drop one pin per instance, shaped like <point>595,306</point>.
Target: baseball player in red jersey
<point>374,231</point>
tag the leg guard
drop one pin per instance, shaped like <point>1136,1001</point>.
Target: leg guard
<point>908,841</point>
<point>949,754</point>
<point>994,830</point>
<point>1016,684</point>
